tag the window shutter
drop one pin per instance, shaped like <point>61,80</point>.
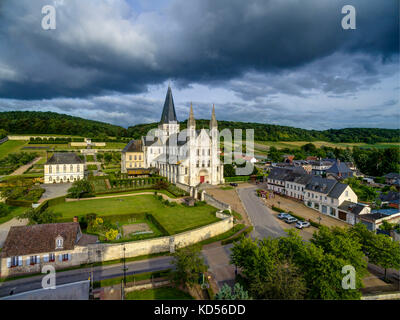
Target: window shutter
<point>69,257</point>
<point>20,261</point>
<point>46,258</point>
<point>60,257</point>
<point>8,262</point>
<point>28,261</point>
<point>37,259</point>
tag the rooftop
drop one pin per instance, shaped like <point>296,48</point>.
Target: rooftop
<point>64,158</point>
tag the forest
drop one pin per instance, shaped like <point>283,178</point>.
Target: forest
<point>34,122</point>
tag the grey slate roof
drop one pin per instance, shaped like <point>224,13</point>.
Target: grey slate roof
<point>151,141</point>
<point>64,158</point>
<point>319,184</point>
<point>352,207</point>
<point>290,174</point>
<point>392,175</point>
<point>168,114</point>
<point>339,167</point>
<point>133,146</point>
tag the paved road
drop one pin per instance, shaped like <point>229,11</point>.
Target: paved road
<point>104,272</point>
<point>265,224</point>
<point>54,190</point>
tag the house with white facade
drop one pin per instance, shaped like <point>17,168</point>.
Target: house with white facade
<point>64,167</point>
<point>326,195</point>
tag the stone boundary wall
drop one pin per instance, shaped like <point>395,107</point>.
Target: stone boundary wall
<point>382,296</point>
<point>101,252</point>
<point>150,285</point>
<point>11,137</point>
<point>209,199</point>
<point>184,187</point>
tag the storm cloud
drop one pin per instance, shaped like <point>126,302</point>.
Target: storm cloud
<point>286,61</point>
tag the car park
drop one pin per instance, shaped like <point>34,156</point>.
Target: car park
<point>290,220</point>
<point>302,224</point>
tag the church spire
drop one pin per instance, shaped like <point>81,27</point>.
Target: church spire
<point>168,114</point>
<point>213,121</point>
<point>191,121</point>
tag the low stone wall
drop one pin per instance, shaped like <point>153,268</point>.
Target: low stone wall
<point>209,199</point>
<point>382,296</point>
<point>184,187</point>
<point>150,285</point>
<point>112,251</point>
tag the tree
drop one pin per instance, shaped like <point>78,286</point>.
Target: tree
<point>268,274</point>
<point>229,170</point>
<point>40,217</point>
<point>385,252</point>
<point>4,210</point>
<point>238,293</point>
<point>80,189</point>
<point>189,264</point>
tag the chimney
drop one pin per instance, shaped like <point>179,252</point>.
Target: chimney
<point>75,219</point>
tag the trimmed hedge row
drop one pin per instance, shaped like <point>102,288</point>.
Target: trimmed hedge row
<point>19,203</point>
<point>157,224</point>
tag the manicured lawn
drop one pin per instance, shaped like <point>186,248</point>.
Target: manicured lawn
<point>174,219</point>
<point>10,146</point>
<point>15,211</point>
<point>167,293</point>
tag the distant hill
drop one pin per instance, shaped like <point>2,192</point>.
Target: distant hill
<point>269,132</point>
<point>34,122</point>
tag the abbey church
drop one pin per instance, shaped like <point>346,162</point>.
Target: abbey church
<point>189,157</point>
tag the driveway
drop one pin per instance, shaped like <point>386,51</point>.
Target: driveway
<point>54,190</point>
<point>262,219</point>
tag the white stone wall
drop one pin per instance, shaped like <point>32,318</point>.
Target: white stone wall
<point>106,252</point>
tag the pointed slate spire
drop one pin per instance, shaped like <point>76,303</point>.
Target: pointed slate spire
<point>213,121</point>
<point>168,114</point>
<point>191,121</point>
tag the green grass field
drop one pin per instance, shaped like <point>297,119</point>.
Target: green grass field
<point>14,212</point>
<point>10,146</point>
<point>166,293</point>
<point>174,219</point>
<point>258,145</point>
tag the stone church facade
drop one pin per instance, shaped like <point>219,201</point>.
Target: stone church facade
<point>190,156</point>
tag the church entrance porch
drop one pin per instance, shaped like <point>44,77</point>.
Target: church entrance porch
<point>203,176</point>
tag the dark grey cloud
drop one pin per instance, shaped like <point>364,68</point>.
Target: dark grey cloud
<point>103,47</point>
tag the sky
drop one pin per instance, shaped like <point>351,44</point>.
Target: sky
<point>286,62</point>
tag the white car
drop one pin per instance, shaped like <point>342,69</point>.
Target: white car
<point>302,224</point>
<point>283,215</point>
<point>290,220</point>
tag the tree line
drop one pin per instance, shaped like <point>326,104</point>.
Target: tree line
<point>35,122</point>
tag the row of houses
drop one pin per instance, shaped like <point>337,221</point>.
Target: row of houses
<point>327,196</point>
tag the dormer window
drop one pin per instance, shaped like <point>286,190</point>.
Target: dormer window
<point>59,242</point>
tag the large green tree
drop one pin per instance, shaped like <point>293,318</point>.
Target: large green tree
<point>189,264</point>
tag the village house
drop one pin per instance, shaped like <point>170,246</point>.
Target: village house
<point>326,195</point>
<point>278,176</point>
<point>392,178</point>
<point>374,219</point>
<point>133,159</point>
<point>339,170</point>
<point>28,248</point>
<point>64,167</point>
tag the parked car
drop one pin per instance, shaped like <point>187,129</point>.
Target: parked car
<point>283,215</point>
<point>302,224</point>
<point>290,220</point>
<point>233,184</point>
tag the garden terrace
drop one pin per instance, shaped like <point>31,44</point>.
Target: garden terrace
<point>174,218</point>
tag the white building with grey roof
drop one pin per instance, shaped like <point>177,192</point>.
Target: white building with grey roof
<point>64,167</point>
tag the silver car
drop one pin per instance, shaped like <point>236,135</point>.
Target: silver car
<point>302,224</point>
<point>290,220</point>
